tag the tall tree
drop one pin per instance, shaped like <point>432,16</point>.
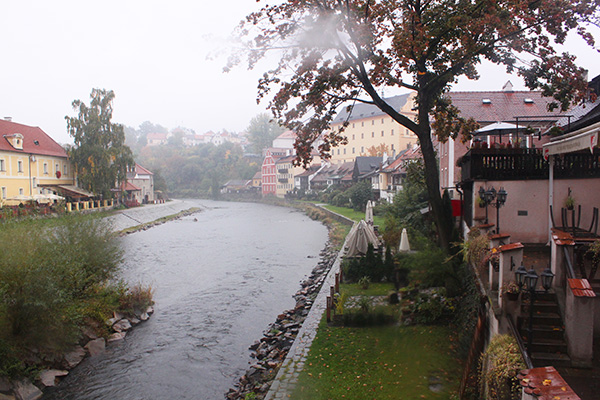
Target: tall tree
<point>262,131</point>
<point>337,51</point>
<point>100,155</point>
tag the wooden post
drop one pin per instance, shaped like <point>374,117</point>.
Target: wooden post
<point>328,309</point>
<point>337,283</point>
<point>331,291</point>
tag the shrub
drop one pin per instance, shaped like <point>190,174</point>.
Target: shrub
<point>136,299</point>
<point>500,365</point>
<point>49,272</point>
<point>364,282</point>
<point>432,307</point>
<point>370,265</point>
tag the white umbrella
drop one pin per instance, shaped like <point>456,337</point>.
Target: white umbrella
<point>47,198</point>
<point>359,238</point>
<point>369,213</point>
<point>404,245</point>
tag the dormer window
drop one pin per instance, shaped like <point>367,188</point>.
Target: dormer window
<point>486,101</point>
<point>15,140</point>
<point>528,101</point>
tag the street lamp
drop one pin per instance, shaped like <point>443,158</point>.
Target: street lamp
<point>520,274</point>
<point>483,198</point>
<point>547,278</point>
<point>529,280</point>
<point>500,200</point>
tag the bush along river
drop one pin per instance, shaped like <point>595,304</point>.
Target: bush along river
<point>220,278</point>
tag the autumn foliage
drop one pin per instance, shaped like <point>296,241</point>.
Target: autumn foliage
<point>335,53</point>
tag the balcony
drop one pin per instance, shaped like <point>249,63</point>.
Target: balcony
<point>520,164</point>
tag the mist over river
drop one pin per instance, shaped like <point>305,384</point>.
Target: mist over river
<point>219,281</point>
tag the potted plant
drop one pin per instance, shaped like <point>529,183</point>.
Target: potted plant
<point>511,290</point>
<point>569,202</point>
<point>480,202</point>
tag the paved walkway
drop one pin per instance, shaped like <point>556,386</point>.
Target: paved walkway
<point>130,217</point>
<point>287,377</point>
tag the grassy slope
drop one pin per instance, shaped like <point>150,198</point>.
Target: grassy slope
<point>355,215</point>
<point>384,362</point>
<point>390,362</point>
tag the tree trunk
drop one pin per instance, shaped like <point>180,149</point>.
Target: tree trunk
<point>432,180</point>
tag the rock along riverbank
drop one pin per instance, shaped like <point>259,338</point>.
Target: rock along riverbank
<point>271,350</point>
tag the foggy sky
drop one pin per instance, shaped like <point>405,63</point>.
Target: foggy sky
<point>153,54</point>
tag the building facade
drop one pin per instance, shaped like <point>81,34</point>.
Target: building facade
<point>369,128</point>
<point>30,159</point>
<point>143,179</point>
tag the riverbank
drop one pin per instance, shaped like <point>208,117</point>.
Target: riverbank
<point>52,367</point>
<point>281,352</point>
<point>271,351</point>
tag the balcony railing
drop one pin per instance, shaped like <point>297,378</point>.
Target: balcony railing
<point>520,164</point>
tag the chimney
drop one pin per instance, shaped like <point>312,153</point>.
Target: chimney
<point>508,86</point>
<point>9,119</point>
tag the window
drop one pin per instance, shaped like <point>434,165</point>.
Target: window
<point>34,182</point>
<point>352,136</point>
<point>372,122</point>
<point>2,166</point>
<point>392,132</point>
<point>353,124</point>
<point>21,191</point>
<point>372,134</point>
<point>344,151</point>
<point>56,167</point>
<point>362,123</point>
<point>45,168</point>
<point>362,135</point>
<point>382,120</point>
<point>64,169</point>
<point>392,146</point>
<point>3,192</point>
<point>353,150</point>
<point>362,149</point>
<point>381,133</point>
<point>338,152</point>
<point>19,166</point>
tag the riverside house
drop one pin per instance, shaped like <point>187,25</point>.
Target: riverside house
<point>29,160</point>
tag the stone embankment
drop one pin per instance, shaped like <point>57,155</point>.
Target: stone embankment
<point>271,350</point>
<point>59,366</point>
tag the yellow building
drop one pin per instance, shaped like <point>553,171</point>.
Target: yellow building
<point>29,158</point>
<point>370,127</point>
<point>285,170</point>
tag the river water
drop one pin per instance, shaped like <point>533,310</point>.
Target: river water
<point>220,277</point>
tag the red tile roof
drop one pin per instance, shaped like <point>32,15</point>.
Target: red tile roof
<point>511,246</point>
<point>581,288</point>
<point>31,134</point>
<point>546,384</point>
<point>502,106</point>
<point>141,170</point>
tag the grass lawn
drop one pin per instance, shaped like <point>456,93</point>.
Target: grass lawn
<point>389,362</point>
<point>356,215</point>
<point>381,362</point>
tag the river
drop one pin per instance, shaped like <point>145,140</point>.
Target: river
<point>220,277</point>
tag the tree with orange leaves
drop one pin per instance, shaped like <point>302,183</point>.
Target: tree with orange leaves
<point>339,52</point>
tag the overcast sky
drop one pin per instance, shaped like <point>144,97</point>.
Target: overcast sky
<point>153,54</point>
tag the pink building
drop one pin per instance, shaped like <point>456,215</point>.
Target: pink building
<point>521,108</point>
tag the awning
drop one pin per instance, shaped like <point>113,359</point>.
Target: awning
<point>72,191</point>
<point>586,138</point>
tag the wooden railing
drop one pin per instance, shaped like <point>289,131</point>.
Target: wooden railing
<point>519,164</point>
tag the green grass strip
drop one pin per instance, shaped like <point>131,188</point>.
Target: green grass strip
<point>386,362</point>
<point>161,220</point>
